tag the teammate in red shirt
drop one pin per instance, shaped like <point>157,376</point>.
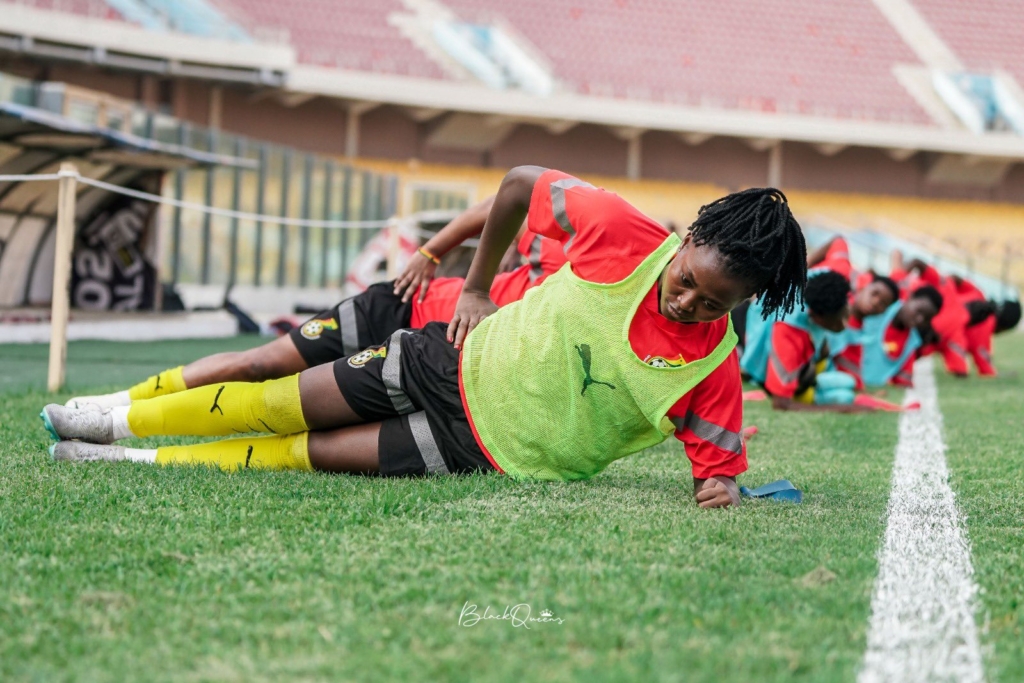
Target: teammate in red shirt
<point>981,325</point>
<point>414,299</point>
<point>797,343</point>
<point>950,324</point>
<point>872,294</point>
<point>987,318</point>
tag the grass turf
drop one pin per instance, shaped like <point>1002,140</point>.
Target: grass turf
<point>112,572</point>
<point>983,430</point>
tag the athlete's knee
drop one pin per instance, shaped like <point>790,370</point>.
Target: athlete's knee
<point>257,365</point>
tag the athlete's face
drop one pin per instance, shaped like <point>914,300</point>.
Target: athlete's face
<point>696,287</point>
<point>872,300</point>
<point>833,323</point>
<point>916,312</point>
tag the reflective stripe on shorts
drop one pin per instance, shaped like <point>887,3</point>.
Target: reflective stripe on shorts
<point>391,375</point>
<point>349,331</point>
<point>426,444</point>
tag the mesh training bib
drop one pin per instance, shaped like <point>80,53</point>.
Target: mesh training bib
<point>553,387</point>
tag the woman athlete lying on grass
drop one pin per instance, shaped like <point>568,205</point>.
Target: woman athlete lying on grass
<point>607,357</point>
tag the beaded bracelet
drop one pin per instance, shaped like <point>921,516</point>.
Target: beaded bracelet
<point>430,256</point>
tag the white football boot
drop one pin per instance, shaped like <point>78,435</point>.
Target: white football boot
<point>101,401</point>
<point>93,426</point>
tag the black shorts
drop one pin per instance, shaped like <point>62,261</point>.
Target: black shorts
<point>367,319</point>
<point>411,385</point>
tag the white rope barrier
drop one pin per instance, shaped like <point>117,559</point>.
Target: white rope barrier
<point>29,178</point>
<point>228,213</point>
<point>202,208</point>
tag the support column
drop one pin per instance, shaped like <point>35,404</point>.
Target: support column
<point>216,107</point>
<point>775,165</point>
<point>355,111</point>
<point>634,150</point>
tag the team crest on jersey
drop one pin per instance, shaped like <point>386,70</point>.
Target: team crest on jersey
<point>661,362</point>
<point>315,327</point>
<point>364,357</point>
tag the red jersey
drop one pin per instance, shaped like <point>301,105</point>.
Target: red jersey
<point>791,347</point>
<point>978,337</point>
<point>950,324</point>
<point>837,259</point>
<point>544,257</point>
<point>606,240</point>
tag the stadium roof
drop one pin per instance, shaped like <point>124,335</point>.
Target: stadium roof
<point>829,74</point>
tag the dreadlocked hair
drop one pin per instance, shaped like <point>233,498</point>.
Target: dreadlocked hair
<point>826,293</point>
<point>761,242</point>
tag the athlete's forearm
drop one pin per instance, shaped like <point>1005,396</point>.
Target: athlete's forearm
<point>818,255</point>
<point>469,223</point>
<point>510,208</point>
<point>783,403</point>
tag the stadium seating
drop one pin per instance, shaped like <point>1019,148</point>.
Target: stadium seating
<point>347,34</point>
<point>985,34</point>
<point>837,58</point>
<point>88,8</point>
<point>837,62</point>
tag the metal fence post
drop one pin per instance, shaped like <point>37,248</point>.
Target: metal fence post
<point>261,192</point>
<point>236,200</point>
<point>282,244</point>
<point>307,191</point>
<point>204,259</point>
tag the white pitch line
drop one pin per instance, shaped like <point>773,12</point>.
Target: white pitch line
<point>922,611</point>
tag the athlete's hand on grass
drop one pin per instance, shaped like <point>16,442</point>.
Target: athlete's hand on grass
<point>469,311</point>
<point>718,492</point>
<point>855,408</point>
<point>416,277</point>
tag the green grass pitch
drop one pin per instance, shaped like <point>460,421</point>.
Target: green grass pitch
<point>128,572</point>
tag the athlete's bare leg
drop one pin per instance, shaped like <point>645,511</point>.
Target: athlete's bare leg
<point>352,450</point>
<point>275,359</point>
<point>323,404</point>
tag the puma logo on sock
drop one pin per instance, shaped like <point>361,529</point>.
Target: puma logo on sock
<point>215,399</point>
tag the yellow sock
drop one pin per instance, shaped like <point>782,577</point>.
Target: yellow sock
<point>167,382</point>
<point>222,410</point>
<point>290,452</point>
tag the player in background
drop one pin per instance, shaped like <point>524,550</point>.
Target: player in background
<point>628,346</point>
<point>414,299</point>
<point>871,295</point>
<point>987,318</point>
<point>786,356</point>
<point>947,334</point>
